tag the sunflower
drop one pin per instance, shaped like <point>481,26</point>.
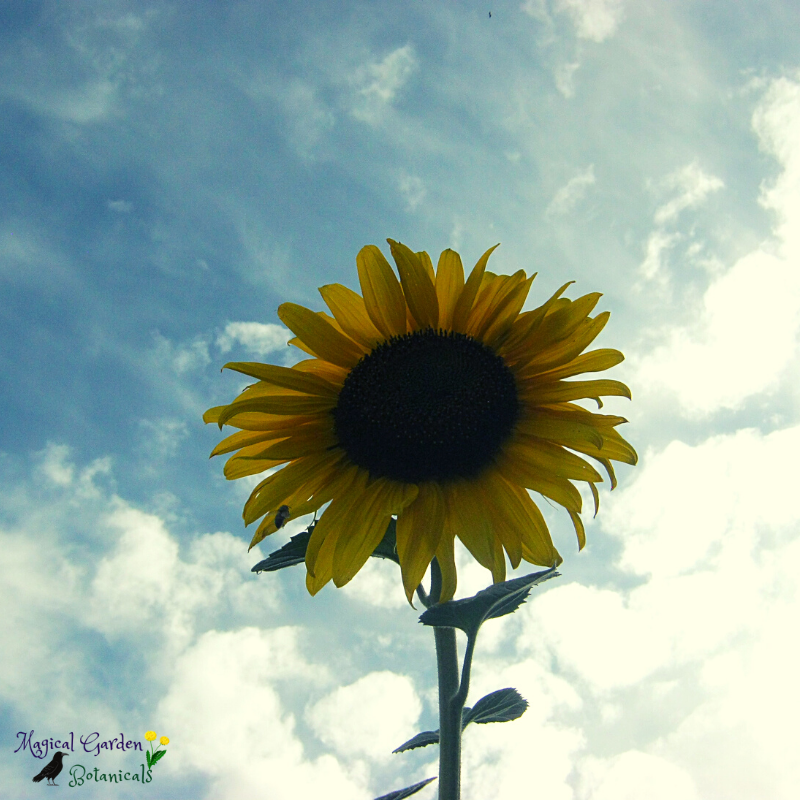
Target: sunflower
<point>432,399</point>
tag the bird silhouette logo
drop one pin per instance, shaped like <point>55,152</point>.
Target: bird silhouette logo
<point>52,769</point>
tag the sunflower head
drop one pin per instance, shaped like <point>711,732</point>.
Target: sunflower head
<point>433,399</point>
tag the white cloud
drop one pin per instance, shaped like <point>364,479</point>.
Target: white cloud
<point>378,84</point>
<point>307,117</point>
<point>120,206</point>
<point>232,727</point>
<point>658,243</point>
<point>145,584</point>
<point>777,122</point>
<point>77,558</point>
<point>161,438</point>
<point>87,580</point>
<point>499,760</point>
<point>730,486</point>
<point>625,777</point>
<point>378,584</point>
<point>259,338</point>
<point>95,60</point>
<point>565,78</point>
<point>26,257</point>
<point>596,20</point>
<point>55,464</point>
<point>412,189</point>
<point>744,334</point>
<point>693,186</point>
<point>696,660</point>
<point>370,717</point>
<point>569,195</point>
<point>182,357</point>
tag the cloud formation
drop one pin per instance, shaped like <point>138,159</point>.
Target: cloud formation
<point>745,333</point>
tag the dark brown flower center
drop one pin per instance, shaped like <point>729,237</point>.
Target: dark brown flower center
<point>430,405</point>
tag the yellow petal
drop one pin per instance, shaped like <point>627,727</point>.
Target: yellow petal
<point>285,377</point>
<point>286,405</point>
<point>559,325</point>
<point>366,525</point>
<point>520,472</point>
<point>297,342</point>
<point>467,517</point>
<point>498,323</point>
<point>514,346</point>
<point>418,288</point>
<point>339,482</point>
<point>350,312</point>
<point>330,372</point>
<point>470,292</point>
<point>308,472</point>
<point>238,467</point>
<point>563,352</point>
<point>501,304</point>
<point>562,431</point>
<point>253,421</point>
<point>579,531</point>
<point>427,264</point>
<point>614,446</point>
<point>537,545</point>
<point>595,497</point>
<point>382,293</point>
<point>322,544</point>
<point>419,528</point>
<point>449,285</point>
<point>506,515</point>
<point>572,411</point>
<point>320,336</point>
<point>320,550</point>
<point>544,393</point>
<point>445,555</point>
<point>550,459</point>
<point>303,441</point>
<point>241,439</point>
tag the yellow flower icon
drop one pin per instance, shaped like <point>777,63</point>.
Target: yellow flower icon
<point>150,736</point>
<point>164,740</point>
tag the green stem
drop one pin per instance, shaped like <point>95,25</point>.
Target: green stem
<point>450,702</point>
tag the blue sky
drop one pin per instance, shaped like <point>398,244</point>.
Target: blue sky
<point>172,172</point>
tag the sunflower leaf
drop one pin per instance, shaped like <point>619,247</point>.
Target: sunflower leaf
<point>420,740</point>
<point>503,705</point>
<point>498,600</point>
<point>294,551</point>
<point>407,792</point>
